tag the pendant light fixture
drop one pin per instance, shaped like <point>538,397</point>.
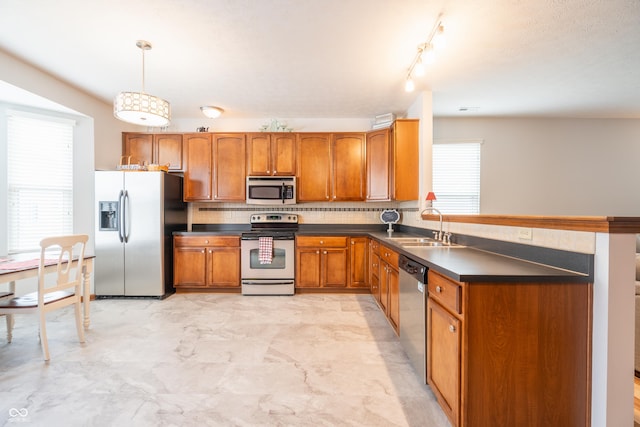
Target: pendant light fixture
<point>140,108</point>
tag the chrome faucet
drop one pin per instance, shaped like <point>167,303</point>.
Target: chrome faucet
<point>438,235</point>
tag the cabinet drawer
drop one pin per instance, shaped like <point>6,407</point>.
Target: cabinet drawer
<point>322,241</point>
<point>389,256</point>
<point>447,292</point>
<point>227,241</point>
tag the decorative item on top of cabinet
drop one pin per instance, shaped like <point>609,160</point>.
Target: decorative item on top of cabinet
<point>199,166</point>
<point>392,165</point>
<point>514,353</point>
<point>322,262</point>
<point>271,154</point>
<point>206,262</point>
<point>157,148</point>
<point>358,267</point>
<point>229,172</point>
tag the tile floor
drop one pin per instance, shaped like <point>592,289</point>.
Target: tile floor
<point>215,360</point>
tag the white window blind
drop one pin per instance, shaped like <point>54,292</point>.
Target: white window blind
<point>456,177</point>
<point>39,178</point>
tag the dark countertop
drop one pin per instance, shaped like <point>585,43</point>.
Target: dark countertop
<point>461,263</point>
<point>467,264</point>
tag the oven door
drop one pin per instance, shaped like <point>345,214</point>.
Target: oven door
<point>282,263</point>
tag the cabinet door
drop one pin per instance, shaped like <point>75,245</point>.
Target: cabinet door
<point>139,146</point>
<point>358,251</point>
<point>394,297</point>
<point>308,268</point>
<point>229,177</point>
<point>334,269</point>
<point>384,287</point>
<point>348,167</point>
<point>444,359</point>
<point>189,267</point>
<point>197,176</point>
<point>283,154</point>
<point>259,154</point>
<point>313,160</point>
<point>406,165</point>
<point>223,267</point>
<point>377,165</point>
<point>168,150</point>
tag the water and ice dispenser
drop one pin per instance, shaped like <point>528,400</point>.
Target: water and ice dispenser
<point>109,216</point>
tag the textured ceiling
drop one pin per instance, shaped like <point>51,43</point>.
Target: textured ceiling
<point>340,58</point>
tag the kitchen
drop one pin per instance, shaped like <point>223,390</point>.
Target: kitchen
<point>549,145</point>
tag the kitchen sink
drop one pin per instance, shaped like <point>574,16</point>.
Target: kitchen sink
<point>403,240</point>
<point>415,242</point>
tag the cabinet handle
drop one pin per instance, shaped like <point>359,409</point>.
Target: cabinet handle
<point>325,252</point>
<point>317,252</point>
<point>206,241</point>
<point>452,328</point>
<point>203,251</point>
<point>322,242</point>
<point>439,289</point>
<point>353,243</point>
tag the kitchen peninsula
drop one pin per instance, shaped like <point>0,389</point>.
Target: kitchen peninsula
<point>521,329</point>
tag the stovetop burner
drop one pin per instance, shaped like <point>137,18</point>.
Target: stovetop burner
<point>280,226</point>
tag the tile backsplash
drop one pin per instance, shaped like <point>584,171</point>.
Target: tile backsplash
<point>369,213</point>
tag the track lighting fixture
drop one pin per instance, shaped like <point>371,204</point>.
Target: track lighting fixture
<point>425,55</point>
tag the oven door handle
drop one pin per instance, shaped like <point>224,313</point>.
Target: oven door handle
<point>267,282</point>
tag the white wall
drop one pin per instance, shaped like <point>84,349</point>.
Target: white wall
<point>97,136</point>
<point>554,166</point>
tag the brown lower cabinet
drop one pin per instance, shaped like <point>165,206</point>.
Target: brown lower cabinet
<point>322,262</point>
<point>509,354</point>
<point>390,285</point>
<point>206,262</point>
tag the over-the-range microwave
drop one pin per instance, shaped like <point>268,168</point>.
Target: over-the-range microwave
<point>271,190</point>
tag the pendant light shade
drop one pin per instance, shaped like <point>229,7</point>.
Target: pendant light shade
<point>140,108</point>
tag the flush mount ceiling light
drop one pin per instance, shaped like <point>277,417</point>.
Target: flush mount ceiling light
<point>211,111</point>
<point>425,54</point>
<point>140,108</point>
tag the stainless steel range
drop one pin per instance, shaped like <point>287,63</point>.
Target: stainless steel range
<point>268,254</point>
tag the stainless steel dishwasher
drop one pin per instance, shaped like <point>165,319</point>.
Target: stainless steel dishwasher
<point>413,301</point>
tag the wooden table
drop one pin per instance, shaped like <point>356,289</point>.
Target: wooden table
<point>11,276</point>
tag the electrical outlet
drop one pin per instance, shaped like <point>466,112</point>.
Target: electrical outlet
<point>525,233</point>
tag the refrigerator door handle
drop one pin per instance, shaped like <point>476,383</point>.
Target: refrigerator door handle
<point>120,218</point>
<point>125,220</point>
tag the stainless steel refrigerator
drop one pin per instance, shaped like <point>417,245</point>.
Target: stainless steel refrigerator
<point>137,212</point>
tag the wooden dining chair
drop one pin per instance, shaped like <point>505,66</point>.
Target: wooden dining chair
<point>67,289</point>
<point>4,296</point>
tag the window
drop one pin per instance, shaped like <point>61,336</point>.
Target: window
<point>456,177</point>
<point>39,179</point>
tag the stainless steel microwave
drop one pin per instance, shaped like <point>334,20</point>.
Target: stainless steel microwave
<point>271,190</point>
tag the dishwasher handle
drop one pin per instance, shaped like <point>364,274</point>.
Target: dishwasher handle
<point>413,268</point>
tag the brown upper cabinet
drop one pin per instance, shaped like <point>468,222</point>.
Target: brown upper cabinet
<point>313,160</point>
<point>229,171</point>
<point>348,166</point>
<point>161,149</point>
<point>393,162</point>
<point>330,167</point>
<point>271,154</point>
<point>199,158</point>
